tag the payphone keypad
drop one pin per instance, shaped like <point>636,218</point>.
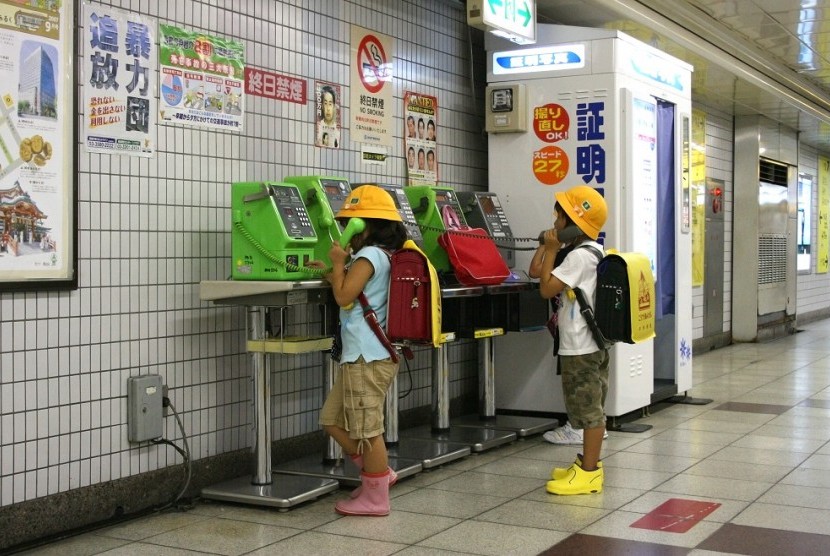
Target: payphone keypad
<point>289,204</point>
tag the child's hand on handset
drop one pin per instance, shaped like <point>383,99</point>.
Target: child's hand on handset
<point>338,255</point>
<point>551,240</point>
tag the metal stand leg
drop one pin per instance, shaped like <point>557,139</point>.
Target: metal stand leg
<point>262,489</point>
<point>478,439</point>
<point>487,418</point>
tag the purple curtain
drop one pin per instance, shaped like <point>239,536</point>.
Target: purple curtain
<point>665,208</point>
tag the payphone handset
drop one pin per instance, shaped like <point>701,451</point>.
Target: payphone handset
<point>354,226</point>
<point>482,209</point>
<point>405,210</point>
<point>272,236</point>
<point>427,204</point>
<point>323,197</point>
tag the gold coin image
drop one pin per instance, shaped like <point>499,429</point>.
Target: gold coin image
<point>47,150</point>
<point>37,143</point>
<point>26,151</point>
<point>39,159</point>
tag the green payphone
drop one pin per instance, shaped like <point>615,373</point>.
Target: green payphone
<point>272,236</point>
<point>428,203</point>
<point>323,198</point>
<point>402,204</point>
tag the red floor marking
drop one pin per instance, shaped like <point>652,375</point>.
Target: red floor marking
<point>676,515</point>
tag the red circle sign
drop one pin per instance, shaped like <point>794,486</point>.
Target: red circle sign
<point>551,122</point>
<point>371,64</point>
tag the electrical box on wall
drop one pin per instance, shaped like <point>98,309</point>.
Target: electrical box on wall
<point>144,408</point>
<point>506,108</point>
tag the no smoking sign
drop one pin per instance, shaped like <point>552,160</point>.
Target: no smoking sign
<point>373,64</point>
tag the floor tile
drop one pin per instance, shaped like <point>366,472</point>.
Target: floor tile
<point>714,487</point>
<point>609,498</point>
<point>446,503</point>
<point>651,462</point>
<point>488,484</point>
<point>494,539</point>
<point>760,541</point>
<point>398,527</point>
<point>642,479</point>
<point>544,515</point>
<point>222,536</point>
<point>580,545</point>
<point>796,495</point>
<point>82,545</point>
<point>676,515</point>
<point>145,549</point>
<point>753,407</point>
<point>313,542</point>
<point>618,524</point>
<point>711,468</point>
<point>727,510</point>
<point>305,516</point>
<point>791,518</point>
<point>145,527</point>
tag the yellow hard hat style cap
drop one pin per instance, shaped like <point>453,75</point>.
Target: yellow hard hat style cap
<point>586,207</point>
<point>369,201</point>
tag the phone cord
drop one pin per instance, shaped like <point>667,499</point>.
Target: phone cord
<point>468,234</point>
<point>267,254</point>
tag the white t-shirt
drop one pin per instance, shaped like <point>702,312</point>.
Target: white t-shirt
<point>578,270</point>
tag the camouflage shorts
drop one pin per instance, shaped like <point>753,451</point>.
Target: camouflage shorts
<point>585,385</point>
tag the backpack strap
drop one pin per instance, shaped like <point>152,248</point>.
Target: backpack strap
<point>585,308</point>
<point>596,252</point>
<point>373,322</point>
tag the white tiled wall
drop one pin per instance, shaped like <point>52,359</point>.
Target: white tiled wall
<point>719,159</point>
<point>152,229</point>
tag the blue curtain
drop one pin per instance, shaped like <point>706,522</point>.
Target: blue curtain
<point>665,208</point>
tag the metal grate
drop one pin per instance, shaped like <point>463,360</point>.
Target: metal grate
<point>773,172</point>
<point>772,259</point>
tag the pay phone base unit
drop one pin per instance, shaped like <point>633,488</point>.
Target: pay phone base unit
<point>323,197</point>
<point>482,209</point>
<point>272,237</point>
<point>427,204</point>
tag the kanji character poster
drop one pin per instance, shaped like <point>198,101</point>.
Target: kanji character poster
<point>119,71</point>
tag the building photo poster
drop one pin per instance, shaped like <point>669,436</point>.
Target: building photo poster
<point>37,238</point>
<point>119,73</point>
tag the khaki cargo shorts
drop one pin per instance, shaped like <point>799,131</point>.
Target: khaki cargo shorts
<point>585,387</point>
<point>356,402</point>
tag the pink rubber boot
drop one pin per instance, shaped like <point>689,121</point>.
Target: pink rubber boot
<point>373,499</point>
<point>358,461</point>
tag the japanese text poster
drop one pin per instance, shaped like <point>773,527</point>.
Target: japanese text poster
<point>120,68</point>
<point>202,79</point>
<point>371,95</point>
<point>421,138</point>
<point>36,150</point>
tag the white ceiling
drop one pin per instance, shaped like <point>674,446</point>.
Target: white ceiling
<point>769,57</point>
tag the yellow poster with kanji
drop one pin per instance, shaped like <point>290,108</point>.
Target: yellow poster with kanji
<point>698,196</point>
<point>823,242</point>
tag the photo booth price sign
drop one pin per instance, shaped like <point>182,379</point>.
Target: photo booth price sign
<point>202,79</point>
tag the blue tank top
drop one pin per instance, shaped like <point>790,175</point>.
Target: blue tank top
<point>358,338</point>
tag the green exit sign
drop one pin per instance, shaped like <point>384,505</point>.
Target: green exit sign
<point>512,19</point>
